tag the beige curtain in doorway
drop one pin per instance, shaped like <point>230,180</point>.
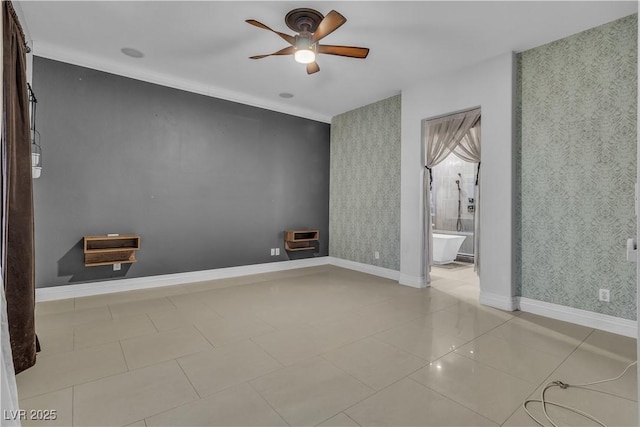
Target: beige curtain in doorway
<point>441,137</point>
<point>469,150</point>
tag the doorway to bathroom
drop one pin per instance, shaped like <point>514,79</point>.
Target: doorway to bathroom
<point>452,160</point>
<point>453,203</point>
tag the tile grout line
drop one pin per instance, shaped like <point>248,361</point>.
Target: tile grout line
<point>202,335</point>
<point>335,415</point>
<point>73,403</point>
<point>84,382</point>
<point>152,322</point>
<point>73,347</point>
<point>189,379</point>
<point>174,407</point>
<point>267,402</point>
<point>270,355</point>
<point>408,376</point>
<point>126,364</point>
<point>457,403</point>
<point>347,415</point>
<point>109,310</point>
<point>348,374</point>
<point>547,378</point>
<point>168,298</point>
<point>493,367</point>
<point>42,394</point>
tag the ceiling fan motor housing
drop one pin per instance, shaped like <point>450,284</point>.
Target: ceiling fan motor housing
<point>303,20</point>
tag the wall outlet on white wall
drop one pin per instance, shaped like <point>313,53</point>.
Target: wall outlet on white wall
<point>603,295</point>
<point>376,255</point>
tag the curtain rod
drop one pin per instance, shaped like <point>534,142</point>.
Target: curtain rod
<point>466,110</point>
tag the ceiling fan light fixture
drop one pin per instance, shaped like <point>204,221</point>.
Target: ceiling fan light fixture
<point>311,27</point>
<point>305,56</point>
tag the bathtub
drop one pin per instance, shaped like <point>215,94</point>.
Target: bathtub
<point>446,247</point>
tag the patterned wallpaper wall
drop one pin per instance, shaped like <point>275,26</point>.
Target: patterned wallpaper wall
<point>577,168</point>
<point>364,200</point>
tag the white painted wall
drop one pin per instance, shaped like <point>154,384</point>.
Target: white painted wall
<point>490,86</point>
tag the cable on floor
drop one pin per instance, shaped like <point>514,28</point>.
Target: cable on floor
<point>563,386</point>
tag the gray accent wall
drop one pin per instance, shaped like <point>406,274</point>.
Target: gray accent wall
<point>577,169</point>
<point>365,184</point>
<point>207,183</point>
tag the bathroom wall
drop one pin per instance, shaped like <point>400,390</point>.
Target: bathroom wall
<point>577,168</point>
<point>207,183</point>
<point>365,184</point>
<point>444,196</point>
<point>445,193</point>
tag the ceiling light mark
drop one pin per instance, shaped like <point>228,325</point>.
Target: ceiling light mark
<point>134,53</point>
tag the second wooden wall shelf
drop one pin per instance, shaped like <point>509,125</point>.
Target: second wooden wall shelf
<point>300,240</point>
<point>110,249</point>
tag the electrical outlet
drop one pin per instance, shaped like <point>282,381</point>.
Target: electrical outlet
<point>273,251</point>
<point>603,295</point>
<point>117,266</point>
<point>376,255</point>
<point>277,251</point>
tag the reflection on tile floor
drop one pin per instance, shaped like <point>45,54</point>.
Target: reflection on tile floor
<point>315,346</point>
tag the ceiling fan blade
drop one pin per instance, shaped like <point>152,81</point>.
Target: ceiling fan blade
<point>289,39</point>
<point>329,24</point>
<point>313,67</point>
<point>350,51</point>
<point>289,50</point>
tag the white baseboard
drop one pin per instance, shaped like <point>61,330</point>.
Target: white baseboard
<point>616,325</point>
<point>413,281</point>
<point>149,282</point>
<point>365,268</point>
<point>137,283</point>
<point>498,301</point>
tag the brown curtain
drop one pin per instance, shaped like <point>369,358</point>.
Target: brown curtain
<point>17,195</point>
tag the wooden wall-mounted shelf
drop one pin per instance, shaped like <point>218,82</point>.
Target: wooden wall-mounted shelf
<point>110,249</point>
<point>300,240</point>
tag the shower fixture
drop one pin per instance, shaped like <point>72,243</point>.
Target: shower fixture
<point>459,221</point>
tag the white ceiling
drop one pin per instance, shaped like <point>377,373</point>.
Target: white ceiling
<point>203,46</point>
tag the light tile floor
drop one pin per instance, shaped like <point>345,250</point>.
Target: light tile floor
<point>316,346</point>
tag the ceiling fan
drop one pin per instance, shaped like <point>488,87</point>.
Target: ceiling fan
<point>311,27</point>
